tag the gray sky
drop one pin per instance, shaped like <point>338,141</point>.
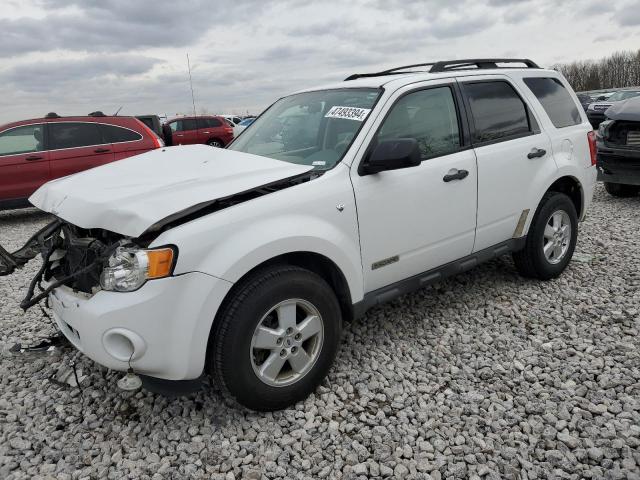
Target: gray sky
<point>76,56</point>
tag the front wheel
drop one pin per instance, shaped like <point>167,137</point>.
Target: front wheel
<point>551,239</point>
<point>276,338</point>
<point>621,190</point>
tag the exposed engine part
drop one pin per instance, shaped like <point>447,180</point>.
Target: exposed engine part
<point>40,242</point>
<point>71,256</point>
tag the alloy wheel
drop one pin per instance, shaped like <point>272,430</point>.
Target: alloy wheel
<point>557,237</point>
<point>287,342</point>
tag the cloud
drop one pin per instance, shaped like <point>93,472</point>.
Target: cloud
<point>76,56</point>
<point>119,24</point>
<point>51,75</point>
<point>628,17</point>
<point>459,27</point>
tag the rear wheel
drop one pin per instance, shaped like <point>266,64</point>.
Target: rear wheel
<point>551,239</point>
<point>276,338</point>
<point>214,142</point>
<point>621,190</point>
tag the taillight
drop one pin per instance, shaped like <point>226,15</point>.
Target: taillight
<point>157,141</point>
<point>591,136</point>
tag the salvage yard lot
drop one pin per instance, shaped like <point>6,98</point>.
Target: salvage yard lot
<point>485,375</point>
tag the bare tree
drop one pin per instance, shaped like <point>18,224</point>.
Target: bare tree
<point>620,69</point>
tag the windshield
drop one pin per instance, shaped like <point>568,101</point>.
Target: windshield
<point>616,97</point>
<point>312,128</point>
<point>247,121</point>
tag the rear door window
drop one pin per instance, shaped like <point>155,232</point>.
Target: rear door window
<point>497,111</point>
<point>19,140</point>
<point>555,100</point>
<point>115,134</point>
<point>188,124</point>
<point>73,135</point>
<point>209,122</point>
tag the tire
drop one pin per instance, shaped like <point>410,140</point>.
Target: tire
<point>214,142</point>
<point>621,190</point>
<point>237,357</point>
<point>533,261</point>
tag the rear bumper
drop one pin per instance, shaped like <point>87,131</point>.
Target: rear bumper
<point>162,327</point>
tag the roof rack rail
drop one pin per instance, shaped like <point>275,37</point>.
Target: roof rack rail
<point>52,115</point>
<point>447,65</point>
<point>479,63</point>
<point>391,71</point>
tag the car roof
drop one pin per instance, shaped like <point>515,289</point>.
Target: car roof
<point>80,118</point>
<point>399,80</point>
<point>190,117</point>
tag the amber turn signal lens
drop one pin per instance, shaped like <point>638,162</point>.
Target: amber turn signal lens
<point>160,262</point>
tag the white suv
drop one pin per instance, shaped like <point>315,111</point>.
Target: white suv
<point>244,262</point>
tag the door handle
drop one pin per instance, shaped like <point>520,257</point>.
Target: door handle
<point>536,153</point>
<point>455,174</point>
<point>205,132</point>
<point>102,150</point>
<point>31,158</point>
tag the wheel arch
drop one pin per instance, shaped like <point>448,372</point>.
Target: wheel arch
<point>315,262</point>
<point>312,261</point>
<point>570,186</point>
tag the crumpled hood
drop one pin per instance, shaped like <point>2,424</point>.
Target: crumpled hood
<point>627,110</point>
<point>131,195</point>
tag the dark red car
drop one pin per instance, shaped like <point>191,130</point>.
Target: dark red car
<point>212,130</point>
<point>32,152</point>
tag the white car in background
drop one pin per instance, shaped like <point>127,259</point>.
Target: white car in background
<point>239,128</point>
<point>244,262</point>
<point>234,119</point>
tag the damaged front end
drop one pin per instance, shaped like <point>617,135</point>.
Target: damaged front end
<point>71,256</point>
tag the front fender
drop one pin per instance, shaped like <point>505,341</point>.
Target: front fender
<point>263,241</point>
<point>229,243</point>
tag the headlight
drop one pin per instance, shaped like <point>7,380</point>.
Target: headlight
<point>129,268</point>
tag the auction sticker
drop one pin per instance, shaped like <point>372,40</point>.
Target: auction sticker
<point>348,113</point>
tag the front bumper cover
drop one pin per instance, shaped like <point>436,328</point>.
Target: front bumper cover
<point>618,165</point>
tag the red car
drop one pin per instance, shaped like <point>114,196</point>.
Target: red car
<point>32,152</point>
<point>212,130</point>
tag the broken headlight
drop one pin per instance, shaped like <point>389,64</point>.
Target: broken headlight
<point>129,268</point>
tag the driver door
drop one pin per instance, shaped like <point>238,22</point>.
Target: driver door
<point>415,219</point>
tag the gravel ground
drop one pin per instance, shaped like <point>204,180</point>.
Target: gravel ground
<point>486,375</point>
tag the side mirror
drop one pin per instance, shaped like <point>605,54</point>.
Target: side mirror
<point>392,154</point>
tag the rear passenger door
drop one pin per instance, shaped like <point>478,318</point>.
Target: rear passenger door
<point>76,146</point>
<point>514,156</point>
<point>185,132</point>
<point>207,128</point>
<point>124,141</point>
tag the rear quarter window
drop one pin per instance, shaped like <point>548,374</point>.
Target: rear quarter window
<point>115,134</point>
<point>556,101</point>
